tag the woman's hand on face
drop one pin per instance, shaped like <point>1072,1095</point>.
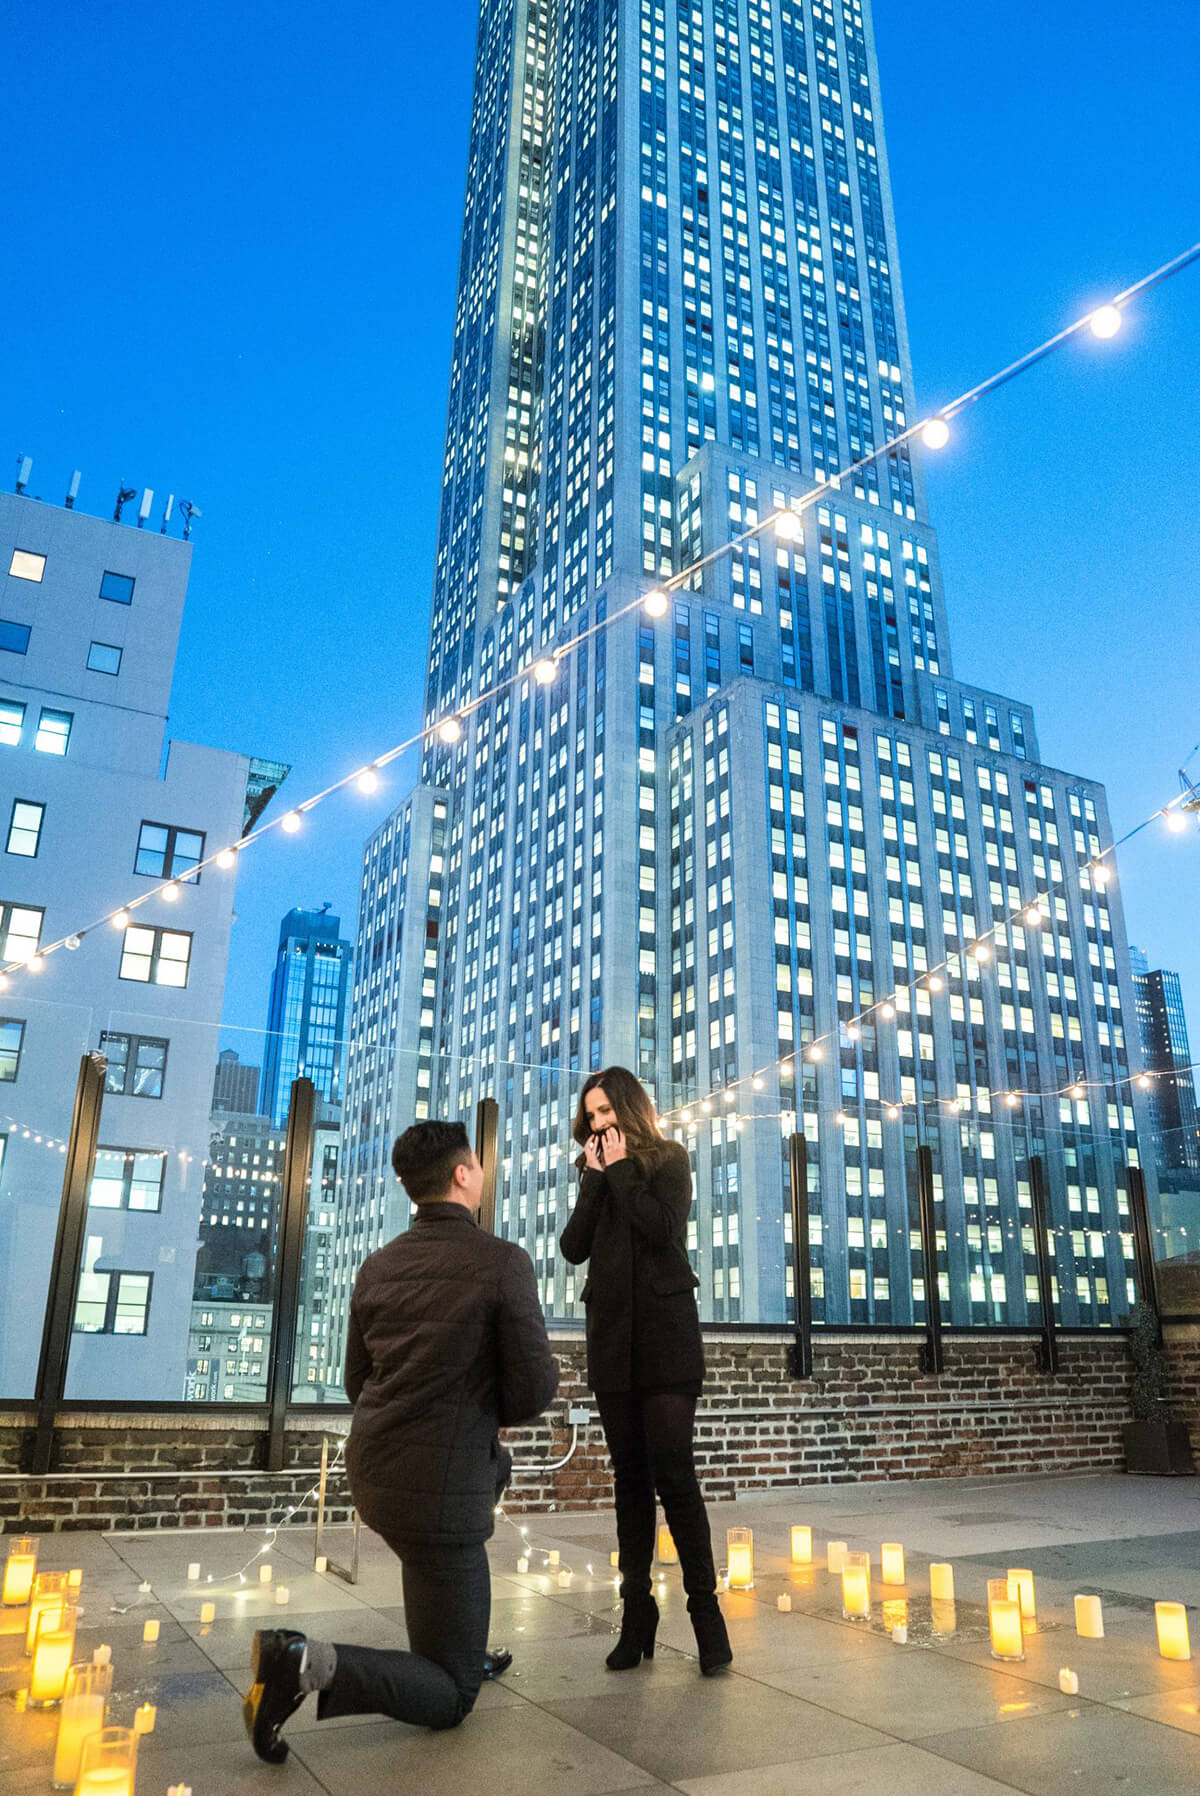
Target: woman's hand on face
<point>614,1146</point>
<point>591,1154</point>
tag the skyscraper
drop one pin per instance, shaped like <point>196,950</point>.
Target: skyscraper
<point>1167,1053</point>
<point>718,833</point>
<point>235,1085</point>
<point>306,1012</point>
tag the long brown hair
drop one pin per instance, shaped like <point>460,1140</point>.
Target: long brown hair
<point>635,1114</point>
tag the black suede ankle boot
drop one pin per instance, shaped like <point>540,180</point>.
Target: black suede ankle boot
<point>639,1624</point>
<point>712,1636</point>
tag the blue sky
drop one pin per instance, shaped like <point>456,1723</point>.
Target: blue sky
<point>232,245</point>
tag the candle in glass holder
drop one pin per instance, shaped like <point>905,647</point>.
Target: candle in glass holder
<point>1089,1617</point>
<point>1170,1619</point>
<point>107,1763</point>
<point>82,1714</point>
<point>150,1633</point>
<point>941,1582</point>
<point>667,1552</point>
<point>801,1544</point>
<point>1020,1588</point>
<point>856,1586</point>
<point>49,1592</point>
<point>614,1558</point>
<point>739,1557</point>
<point>53,1651</point>
<point>835,1555</point>
<point>282,1595</point>
<point>320,1563</point>
<point>20,1568</point>
<point>553,1556</point>
<point>75,1582</point>
<point>891,1562</point>
<point>194,1571</point>
<point>208,1612</point>
<point>1004,1621</point>
<point>265,1574</point>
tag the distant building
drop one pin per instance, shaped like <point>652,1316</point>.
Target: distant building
<point>100,809</point>
<point>306,1014</point>
<point>235,1087</point>
<point>240,1208</point>
<point>1162,1025</point>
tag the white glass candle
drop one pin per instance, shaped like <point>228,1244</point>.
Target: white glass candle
<point>1020,1588</point>
<point>835,1555</point>
<point>739,1557</point>
<point>801,1544</point>
<point>891,1563</point>
<point>82,1715</point>
<point>150,1633</point>
<point>941,1582</point>
<point>1089,1617</point>
<point>1170,1620</point>
<point>20,1569</point>
<point>856,1586</point>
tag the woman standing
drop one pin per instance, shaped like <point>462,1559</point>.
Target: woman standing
<point>644,1355</point>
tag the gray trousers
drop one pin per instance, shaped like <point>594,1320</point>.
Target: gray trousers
<point>447,1606</point>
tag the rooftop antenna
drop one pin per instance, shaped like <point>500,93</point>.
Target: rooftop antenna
<point>144,507</point>
<point>73,490</point>
<point>166,518</point>
<point>24,470</point>
<point>187,512</point>
<point>124,495</point>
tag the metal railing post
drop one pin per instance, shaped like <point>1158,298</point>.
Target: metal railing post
<point>487,1133</point>
<point>68,1254</point>
<point>293,1220</point>
<point>1143,1248</point>
<point>800,1361</point>
<point>1048,1352</point>
<point>932,1356</point>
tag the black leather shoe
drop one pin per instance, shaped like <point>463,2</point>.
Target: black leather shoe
<point>276,1659</point>
<point>495,1664</point>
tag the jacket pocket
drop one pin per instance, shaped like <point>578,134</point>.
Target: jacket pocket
<point>670,1280</point>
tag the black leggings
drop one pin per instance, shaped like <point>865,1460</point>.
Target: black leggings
<point>649,1435</point>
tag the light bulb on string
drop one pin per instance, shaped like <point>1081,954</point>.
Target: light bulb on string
<point>935,982</point>
<point>936,434</point>
<point>731,1097</point>
<point>1105,321</point>
<point>788,527</point>
<point>170,893</point>
<point>656,603</point>
<point>226,859</point>
<point>887,1010</point>
<point>1077,1092</point>
<point>840,1118</point>
<point>368,780</point>
<point>1034,915</point>
<point>758,1084</point>
<point>35,963</point>
<point>853,1032</point>
<point>1176,821</point>
<point>450,729</point>
<point>1011,1099</point>
<point>1143,1082</point>
<point>982,952</point>
<point>545,671</point>
<point>685,1116</point>
<point>893,1112</point>
<point>706,1107</point>
<point>816,1052</point>
<point>290,823</point>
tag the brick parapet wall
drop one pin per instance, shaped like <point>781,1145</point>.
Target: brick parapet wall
<point>868,1412</point>
<point>1182,1343</point>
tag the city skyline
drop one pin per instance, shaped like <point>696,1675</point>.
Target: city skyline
<point>279,483</point>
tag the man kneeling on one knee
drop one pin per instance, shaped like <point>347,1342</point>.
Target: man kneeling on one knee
<point>446,1345</point>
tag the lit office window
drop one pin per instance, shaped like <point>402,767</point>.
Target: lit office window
<point>127,1178</point>
<point>12,1034</point>
<point>165,851</point>
<point>137,1064</point>
<point>53,732</point>
<point>27,566</point>
<point>25,827</point>
<point>12,722</point>
<point>156,956</point>
<point>20,931</point>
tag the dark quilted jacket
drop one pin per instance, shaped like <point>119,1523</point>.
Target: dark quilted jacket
<point>446,1344</point>
<point>630,1224</point>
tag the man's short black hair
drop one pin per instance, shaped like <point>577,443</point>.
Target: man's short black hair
<point>424,1158</point>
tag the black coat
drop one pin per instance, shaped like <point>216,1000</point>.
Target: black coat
<point>643,1328</point>
<point>446,1344</point>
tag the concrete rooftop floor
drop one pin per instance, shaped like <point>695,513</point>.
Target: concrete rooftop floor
<point>813,1703</point>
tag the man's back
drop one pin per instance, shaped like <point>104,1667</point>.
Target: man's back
<point>446,1345</point>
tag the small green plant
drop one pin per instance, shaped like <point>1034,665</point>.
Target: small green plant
<point>1148,1394</point>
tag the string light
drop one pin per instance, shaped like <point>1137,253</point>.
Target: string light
<point>368,780</point>
<point>170,893</point>
<point>226,859</point>
<point>545,671</point>
<point>788,527</point>
<point>935,434</point>
<point>290,822</point>
<point>1176,821</point>
<point>1105,321</point>
<point>887,1010</point>
<point>656,603</point>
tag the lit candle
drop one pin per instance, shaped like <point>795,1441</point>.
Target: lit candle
<point>49,1592</point>
<point>282,1593</point>
<point>900,1633</point>
<point>856,1586</point>
<point>144,1719</point>
<point>1089,1617</point>
<point>891,1563</point>
<point>801,1544</point>
<point>150,1633</point>
<point>320,1563</point>
<point>75,1581</point>
<point>106,1766</point>
<point>784,1603</point>
<point>265,1574</point>
<point>835,1555</point>
<point>941,1582</point>
<point>19,1570</point>
<point>1004,1621</point>
<point>522,1564</point>
<point>1020,1589</point>
<point>1170,1619</point>
<point>1068,1681</point>
<point>667,1554</point>
<point>52,1655</point>
<point>82,1715</point>
<point>614,1558</point>
<point>553,1556</point>
<point>208,1612</point>
<point>102,1655</point>
<point>193,1571</point>
<point>739,1556</point>
<point>179,1790</point>
<point>564,1580</point>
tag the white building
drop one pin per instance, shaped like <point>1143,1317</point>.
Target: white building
<point>97,809</point>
